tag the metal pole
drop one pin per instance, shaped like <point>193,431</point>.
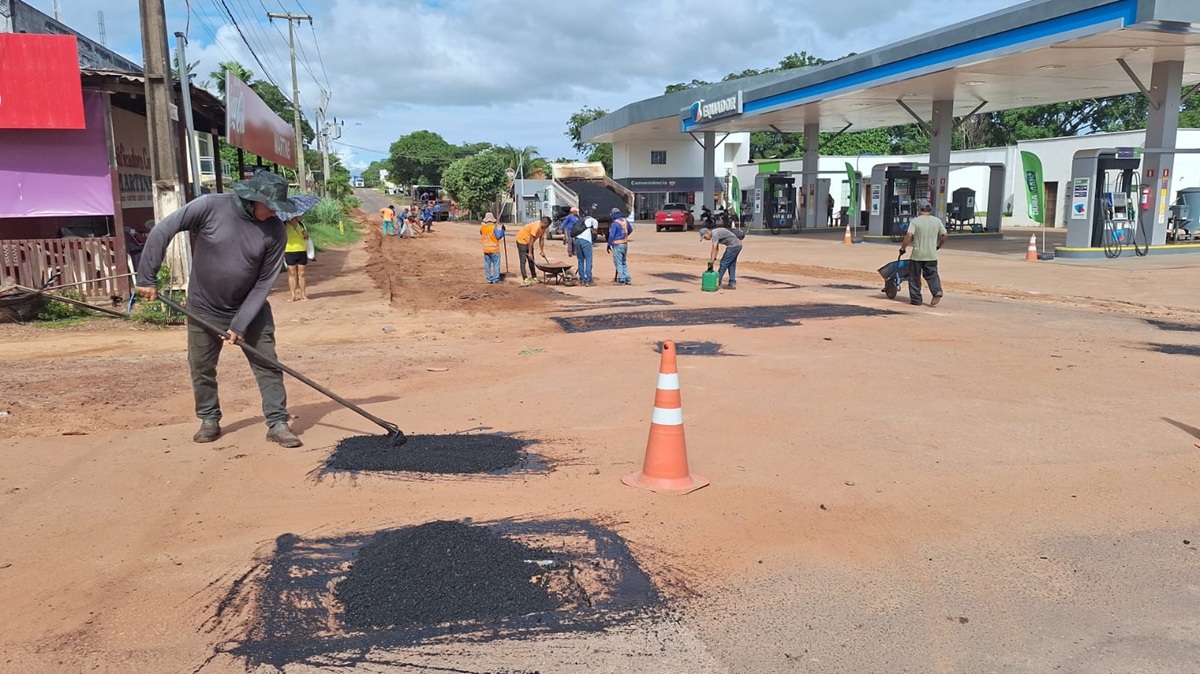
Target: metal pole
<point>324,143</point>
<point>185,89</point>
<point>301,174</point>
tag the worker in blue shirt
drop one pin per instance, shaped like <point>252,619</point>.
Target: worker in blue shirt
<point>618,245</point>
<point>567,223</point>
<point>427,219</point>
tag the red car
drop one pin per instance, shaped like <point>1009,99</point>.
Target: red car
<point>674,215</point>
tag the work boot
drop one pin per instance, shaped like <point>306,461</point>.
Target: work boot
<point>210,430</point>
<point>936,299</point>
<point>525,282</point>
<point>731,286</point>
<point>283,435</point>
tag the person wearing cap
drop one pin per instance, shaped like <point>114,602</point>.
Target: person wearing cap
<point>618,244</point>
<point>567,223</point>
<point>926,234</point>
<point>295,253</point>
<point>238,246</point>
<point>733,248</point>
<point>491,235</point>
<point>534,231</point>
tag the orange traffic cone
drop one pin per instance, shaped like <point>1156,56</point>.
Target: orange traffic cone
<point>847,240</point>
<point>1031,252</point>
<point>665,468</point>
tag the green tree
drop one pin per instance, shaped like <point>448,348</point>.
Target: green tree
<point>370,175</point>
<point>527,158</point>
<point>420,157</point>
<point>601,152</point>
<point>476,181</point>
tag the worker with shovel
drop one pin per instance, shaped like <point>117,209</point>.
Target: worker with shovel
<point>237,251</point>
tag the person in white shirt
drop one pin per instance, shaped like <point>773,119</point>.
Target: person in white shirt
<point>583,250</point>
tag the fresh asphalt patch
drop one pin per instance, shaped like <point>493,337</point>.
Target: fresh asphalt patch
<point>1172,326</point>
<point>451,454</point>
<point>770,316</point>
<point>666,291</point>
<point>696,349</point>
<point>338,602</point>
<point>621,303</point>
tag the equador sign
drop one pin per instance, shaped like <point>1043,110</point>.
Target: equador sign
<point>705,111</point>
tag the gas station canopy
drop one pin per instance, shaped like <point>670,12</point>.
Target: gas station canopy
<point>1038,52</point>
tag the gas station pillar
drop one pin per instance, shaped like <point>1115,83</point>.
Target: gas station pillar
<point>940,143</point>
<point>1162,127</point>
<point>810,176</point>
<point>710,168</point>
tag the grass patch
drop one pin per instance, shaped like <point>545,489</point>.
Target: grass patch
<point>330,226</point>
<point>55,323</point>
<point>157,313</point>
<point>56,312</point>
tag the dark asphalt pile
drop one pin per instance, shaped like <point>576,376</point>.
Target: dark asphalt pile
<point>769,316</point>
<point>441,454</point>
<point>442,572</point>
<point>594,193</point>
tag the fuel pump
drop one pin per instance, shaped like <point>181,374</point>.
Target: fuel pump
<point>778,201</point>
<point>901,189</point>
<point>1101,200</point>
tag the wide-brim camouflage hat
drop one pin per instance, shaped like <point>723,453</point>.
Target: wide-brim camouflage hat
<point>301,204</point>
<point>265,188</point>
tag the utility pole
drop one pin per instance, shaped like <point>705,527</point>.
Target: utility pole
<point>103,34</point>
<point>328,132</point>
<point>57,11</point>
<point>185,89</point>
<point>164,167</point>
<point>292,19</point>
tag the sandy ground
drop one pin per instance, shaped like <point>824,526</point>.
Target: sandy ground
<point>1004,483</point>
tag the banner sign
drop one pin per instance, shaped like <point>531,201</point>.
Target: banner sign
<point>131,138</point>
<point>253,126</point>
<point>39,82</point>
<point>1034,193</point>
<point>57,173</point>
<point>852,212</point>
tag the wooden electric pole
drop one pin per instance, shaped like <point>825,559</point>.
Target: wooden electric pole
<point>160,108</point>
<point>292,19</point>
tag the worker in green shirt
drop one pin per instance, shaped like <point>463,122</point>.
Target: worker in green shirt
<point>926,235</point>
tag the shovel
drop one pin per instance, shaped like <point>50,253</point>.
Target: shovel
<point>394,433</point>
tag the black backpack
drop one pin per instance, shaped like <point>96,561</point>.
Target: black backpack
<point>578,228</point>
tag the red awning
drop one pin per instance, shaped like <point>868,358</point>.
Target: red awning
<point>39,82</point>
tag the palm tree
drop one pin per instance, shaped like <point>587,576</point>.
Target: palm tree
<point>527,158</point>
<point>239,71</point>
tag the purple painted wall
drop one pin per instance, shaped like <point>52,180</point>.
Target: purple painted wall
<point>47,173</point>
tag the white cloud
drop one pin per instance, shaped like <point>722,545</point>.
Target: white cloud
<point>513,71</point>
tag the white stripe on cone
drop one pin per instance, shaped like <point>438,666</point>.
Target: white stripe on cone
<point>670,417</point>
<point>668,382</point>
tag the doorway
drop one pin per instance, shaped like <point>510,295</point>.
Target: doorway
<point>1051,196</point>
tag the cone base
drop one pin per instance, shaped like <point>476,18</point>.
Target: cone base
<point>661,485</point>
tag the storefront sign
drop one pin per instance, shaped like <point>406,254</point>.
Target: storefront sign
<point>1081,194</point>
<point>39,83</point>
<point>706,111</point>
<point>132,141</point>
<point>669,184</point>
<point>251,125</point>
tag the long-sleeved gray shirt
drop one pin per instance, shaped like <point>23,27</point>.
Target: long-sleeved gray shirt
<point>235,258</point>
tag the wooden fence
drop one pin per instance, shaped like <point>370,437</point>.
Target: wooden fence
<point>91,263</point>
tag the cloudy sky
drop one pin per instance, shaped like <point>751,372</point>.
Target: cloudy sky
<point>508,71</point>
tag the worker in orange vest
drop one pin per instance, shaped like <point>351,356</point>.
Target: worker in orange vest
<point>491,235</point>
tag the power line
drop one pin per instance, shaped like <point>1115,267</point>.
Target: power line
<point>261,39</point>
<point>266,72</point>
<point>320,58</point>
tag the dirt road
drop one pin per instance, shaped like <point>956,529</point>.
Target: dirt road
<point>1004,483</point>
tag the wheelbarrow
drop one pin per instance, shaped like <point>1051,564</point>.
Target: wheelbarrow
<point>894,275</point>
<point>561,274</point>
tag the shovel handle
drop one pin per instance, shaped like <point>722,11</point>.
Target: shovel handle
<point>391,428</point>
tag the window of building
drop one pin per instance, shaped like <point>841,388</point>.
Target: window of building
<point>658,156</point>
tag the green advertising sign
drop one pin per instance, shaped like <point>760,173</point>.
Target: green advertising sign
<point>854,198</point>
<point>1034,194</point>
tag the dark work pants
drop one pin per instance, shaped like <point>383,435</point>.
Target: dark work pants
<point>204,350</point>
<point>928,269</point>
<point>525,252</point>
